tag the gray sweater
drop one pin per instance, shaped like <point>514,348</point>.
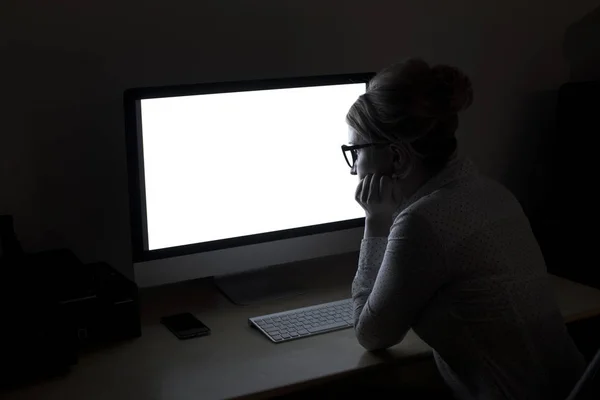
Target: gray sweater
<point>462,268</point>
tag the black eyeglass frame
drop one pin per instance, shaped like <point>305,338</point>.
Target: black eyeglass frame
<point>352,149</point>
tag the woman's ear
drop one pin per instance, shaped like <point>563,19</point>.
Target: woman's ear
<point>401,159</point>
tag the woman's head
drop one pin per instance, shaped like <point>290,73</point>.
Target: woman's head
<point>412,109</point>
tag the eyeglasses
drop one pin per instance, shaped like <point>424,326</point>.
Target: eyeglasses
<point>351,152</point>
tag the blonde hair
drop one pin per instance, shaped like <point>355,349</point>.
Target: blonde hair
<point>415,107</point>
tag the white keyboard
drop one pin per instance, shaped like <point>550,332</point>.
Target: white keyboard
<point>307,321</point>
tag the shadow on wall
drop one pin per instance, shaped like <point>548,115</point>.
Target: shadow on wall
<point>536,126</point>
<point>582,47</point>
<point>561,214</point>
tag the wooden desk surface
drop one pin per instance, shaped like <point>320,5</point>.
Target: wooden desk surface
<point>236,360</point>
<point>576,301</point>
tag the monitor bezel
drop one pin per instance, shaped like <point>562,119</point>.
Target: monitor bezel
<point>135,164</point>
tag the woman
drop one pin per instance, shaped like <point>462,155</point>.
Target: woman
<point>446,251</point>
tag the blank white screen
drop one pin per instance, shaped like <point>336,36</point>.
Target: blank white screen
<point>233,164</point>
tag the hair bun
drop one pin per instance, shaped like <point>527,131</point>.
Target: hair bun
<point>409,100</point>
<point>452,91</point>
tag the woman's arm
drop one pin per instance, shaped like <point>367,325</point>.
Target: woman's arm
<point>396,278</point>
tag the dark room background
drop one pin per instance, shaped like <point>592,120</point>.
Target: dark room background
<point>65,63</point>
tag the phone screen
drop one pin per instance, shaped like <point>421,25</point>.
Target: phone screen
<point>185,326</point>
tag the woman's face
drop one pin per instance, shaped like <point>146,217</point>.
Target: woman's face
<point>371,160</point>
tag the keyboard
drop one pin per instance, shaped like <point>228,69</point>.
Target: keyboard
<point>307,321</point>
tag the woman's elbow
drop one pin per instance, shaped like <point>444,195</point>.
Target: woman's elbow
<point>373,342</point>
<point>373,346</point>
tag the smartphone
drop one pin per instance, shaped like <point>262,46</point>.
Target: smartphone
<point>185,326</point>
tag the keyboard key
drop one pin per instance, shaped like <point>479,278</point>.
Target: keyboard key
<point>303,332</point>
<point>276,337</point>
<point>293,334</point>
<point>285,336</point>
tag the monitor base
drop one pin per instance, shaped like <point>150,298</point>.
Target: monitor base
<point>286,280</point>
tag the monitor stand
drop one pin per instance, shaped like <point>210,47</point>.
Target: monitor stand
<point>287,280</point>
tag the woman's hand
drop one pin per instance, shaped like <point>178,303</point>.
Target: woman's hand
<point>379,196</point>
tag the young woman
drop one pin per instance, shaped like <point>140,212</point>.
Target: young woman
<point>446,251</point>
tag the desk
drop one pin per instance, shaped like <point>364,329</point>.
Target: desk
<point>236,361</point>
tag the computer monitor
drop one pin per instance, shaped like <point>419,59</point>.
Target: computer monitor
<point>226,177</point>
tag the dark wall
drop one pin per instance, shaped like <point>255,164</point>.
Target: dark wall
<point>66,63</point>
<point>582,47</point>
<point>566,207</point>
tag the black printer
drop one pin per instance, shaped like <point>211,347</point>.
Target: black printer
<point>53,306</point>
